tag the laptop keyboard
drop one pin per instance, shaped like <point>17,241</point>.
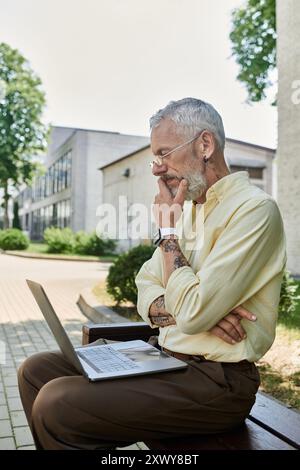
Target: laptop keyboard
<point>106,359</point>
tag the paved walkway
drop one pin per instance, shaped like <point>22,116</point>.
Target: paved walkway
<point>24,331</point>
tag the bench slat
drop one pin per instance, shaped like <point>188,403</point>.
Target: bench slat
<point>117,332</point>
<point>277,418</point>
<point>248,437</point>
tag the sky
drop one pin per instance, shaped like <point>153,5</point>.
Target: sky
<point>111,64</point>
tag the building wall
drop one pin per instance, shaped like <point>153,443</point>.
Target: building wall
<point>288,154</point>
<point>89,150</point>
<point>252,157</point>
<point>102,148</point>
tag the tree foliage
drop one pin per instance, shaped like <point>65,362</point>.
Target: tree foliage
<point>253,37</point>
<point>22,132</point>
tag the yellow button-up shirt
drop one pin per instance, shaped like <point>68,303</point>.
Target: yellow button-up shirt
<point>237,257</point>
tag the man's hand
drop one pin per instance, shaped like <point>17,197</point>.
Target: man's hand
<point>229,328</point>
<point>166,208</point>
<point>158,314</point>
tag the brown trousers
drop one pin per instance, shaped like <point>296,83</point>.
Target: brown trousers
<point>66,411</point>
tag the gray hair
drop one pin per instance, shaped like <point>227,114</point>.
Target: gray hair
<point>192,115</point>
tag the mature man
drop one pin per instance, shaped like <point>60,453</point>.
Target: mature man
<point>212,287</point>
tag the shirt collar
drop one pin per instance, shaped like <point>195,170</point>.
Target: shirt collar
<point>227,185</point>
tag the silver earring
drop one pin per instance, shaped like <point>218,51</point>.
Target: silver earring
<point>205,159</point>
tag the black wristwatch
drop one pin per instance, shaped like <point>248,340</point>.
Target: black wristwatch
<point>162,234</point>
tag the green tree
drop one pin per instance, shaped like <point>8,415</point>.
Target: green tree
<point>22,133</point>
<point>253,37</point>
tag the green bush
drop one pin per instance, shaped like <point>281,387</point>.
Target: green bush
<point>121,276</point>
<point>59,240</point>
<point>81,242</point>
<point>13,239</point>
<point>99,246</point>
<point>288,296</point>
<point>91,244</point>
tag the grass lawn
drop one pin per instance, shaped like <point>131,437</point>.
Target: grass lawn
<point>279,369</point>
<point>41,248</point>
<point>126,309</point>
<point>37,248</point>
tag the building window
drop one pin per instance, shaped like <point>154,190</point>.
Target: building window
<point>255,173</point>
<point>57,178</point>
<point>54,215</point>
<point>69,169</point>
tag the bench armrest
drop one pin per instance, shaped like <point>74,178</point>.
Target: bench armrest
<point>117,331</point>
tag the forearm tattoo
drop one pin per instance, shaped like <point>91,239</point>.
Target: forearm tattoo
<point>172,246</point>
<point>160,302</point>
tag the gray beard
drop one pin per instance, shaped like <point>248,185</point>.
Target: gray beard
<point>197,185</point>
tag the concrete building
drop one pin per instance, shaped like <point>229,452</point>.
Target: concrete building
<point>70,191</point>
<point>130,177</point>
<point>288,153</point>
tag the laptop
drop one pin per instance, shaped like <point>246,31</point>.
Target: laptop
<point>108,361</point>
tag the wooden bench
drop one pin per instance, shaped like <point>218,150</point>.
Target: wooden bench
<point>270,426</point>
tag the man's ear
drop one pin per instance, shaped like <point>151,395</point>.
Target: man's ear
<point>208,144</point>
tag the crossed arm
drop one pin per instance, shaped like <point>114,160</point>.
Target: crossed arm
<point>228,329</point>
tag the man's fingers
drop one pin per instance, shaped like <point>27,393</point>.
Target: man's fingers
<point>217,331</point>
<point>244,313</point>
<point>163,188</point>
<point>235,321</point>
<point>230,329</point>
<point>180,195</point>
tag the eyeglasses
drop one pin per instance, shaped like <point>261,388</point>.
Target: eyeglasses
<point>158,159</point>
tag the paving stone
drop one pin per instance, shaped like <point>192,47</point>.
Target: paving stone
<point>2,399</point>
<point>26,448</point>
<point>29,349</point>
<point>23,436</point>
<point>4,412</point>
<point>8,371</point>
<point>7,443</point>
<point>142,446</point>
<point>131,447</point>
<point>10,381</point>
<point>18,418</point>
<point>19,360</point>
<point>15,404</point>
<point>5,428</point>
<point>12,392</point>
<point>8,363</point>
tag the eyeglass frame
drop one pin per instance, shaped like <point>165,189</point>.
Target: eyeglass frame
<point>176,148</point>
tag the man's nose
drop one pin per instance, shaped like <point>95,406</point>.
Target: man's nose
<point>158,170</point>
